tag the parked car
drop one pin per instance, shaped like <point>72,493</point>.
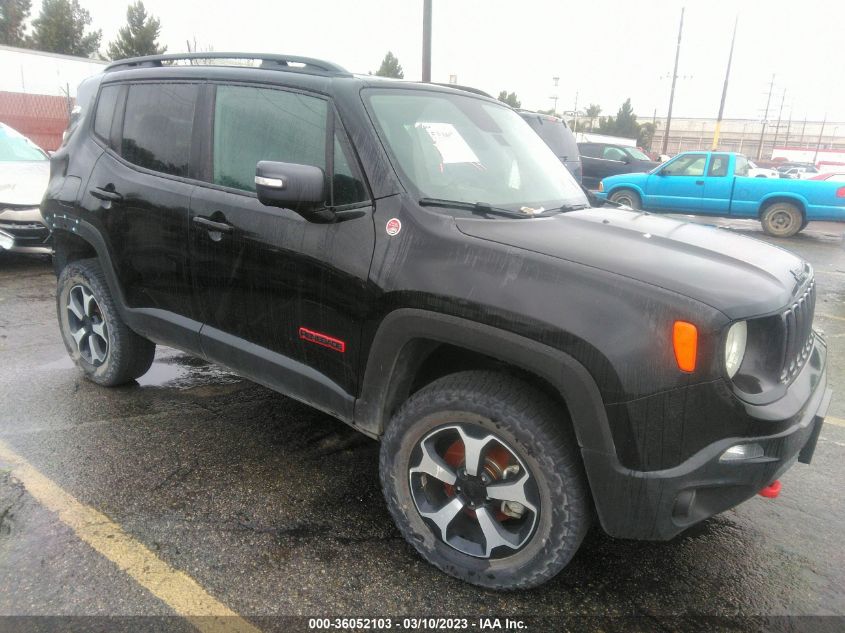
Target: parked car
<point>600,160</point>
<point>24,171</point>
<point>830,177</point>
<point>800,171</point>
<point>416,262</point>
<point>761,172</point>
<point>558,137</point>
<point>718,183</point>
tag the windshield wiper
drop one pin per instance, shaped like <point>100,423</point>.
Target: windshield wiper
<point>477,208</point>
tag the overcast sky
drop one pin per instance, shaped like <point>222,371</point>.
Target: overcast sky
<point>606,50</point>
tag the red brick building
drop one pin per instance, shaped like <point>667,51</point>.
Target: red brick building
<point>38,90</point>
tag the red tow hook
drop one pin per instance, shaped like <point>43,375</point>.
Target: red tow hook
<point>771,491</point>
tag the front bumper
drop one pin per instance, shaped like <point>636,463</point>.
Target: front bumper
<point>657,505</point>
<point>24,231</point>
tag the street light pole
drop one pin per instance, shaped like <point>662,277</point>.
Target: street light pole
<point>718,129</point>
<point>426,52</point>
<point>672,90</point>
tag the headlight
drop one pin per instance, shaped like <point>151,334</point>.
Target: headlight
<point>735,347</point>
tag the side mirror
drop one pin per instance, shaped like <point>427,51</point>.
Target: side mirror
<point>290,185</point>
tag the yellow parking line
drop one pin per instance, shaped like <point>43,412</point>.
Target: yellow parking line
<point>830,316</point>
<point>835,421</point>
<point>175,588</point>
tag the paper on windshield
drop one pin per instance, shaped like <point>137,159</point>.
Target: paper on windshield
<point>449,142</point>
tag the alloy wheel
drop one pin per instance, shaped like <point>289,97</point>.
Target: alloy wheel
<point>474,491</point>
<point>87,326</point>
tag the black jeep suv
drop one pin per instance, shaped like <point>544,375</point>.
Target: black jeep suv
<point>416,262</point>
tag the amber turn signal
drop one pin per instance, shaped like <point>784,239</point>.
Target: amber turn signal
<point>685,340</point>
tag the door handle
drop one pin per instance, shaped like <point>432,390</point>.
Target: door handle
<point>108,195</point>
<point>211,225</point>
<point>699,182</point>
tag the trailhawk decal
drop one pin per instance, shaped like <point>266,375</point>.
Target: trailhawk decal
<point>322,339</point>
<point>393,226</point>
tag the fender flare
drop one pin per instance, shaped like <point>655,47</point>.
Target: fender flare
<point>402,333</point>
<point>635,188</point>
<point>782,196</point>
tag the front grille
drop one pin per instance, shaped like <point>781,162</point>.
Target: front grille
<point>798,329</point>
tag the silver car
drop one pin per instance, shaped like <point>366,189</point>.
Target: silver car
<point>24,172</point>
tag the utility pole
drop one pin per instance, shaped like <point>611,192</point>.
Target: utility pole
<point>788,126</point>
<point>819,144</point>
<point>718,129</point>
<point>780,114</point>
<point>765,119</point>
<point>672,90</point>
<point>426,53</point>
<point>575,114</point>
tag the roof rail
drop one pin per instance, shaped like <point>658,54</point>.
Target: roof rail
<point>268,61</point>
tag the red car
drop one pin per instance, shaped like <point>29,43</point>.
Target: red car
<point>832,176</point>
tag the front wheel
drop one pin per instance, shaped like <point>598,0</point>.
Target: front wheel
<point>482,475</point>
<point>627,198</point>
<point>782,219</point>
<point>98,341</point>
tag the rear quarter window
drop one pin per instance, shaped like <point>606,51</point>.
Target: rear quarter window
<point>105,111</point>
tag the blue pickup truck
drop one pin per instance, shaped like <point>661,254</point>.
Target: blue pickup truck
<point>717,183</point>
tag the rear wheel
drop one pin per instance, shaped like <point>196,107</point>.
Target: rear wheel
<point>483,477</point>
<point>627,197</point>
<point>96,338</point>
<point>782,219</point>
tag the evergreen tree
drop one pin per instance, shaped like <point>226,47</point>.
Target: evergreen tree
<point>139,36</point>
<point>61,29</point>
<point>509,98</point>
<point>623,124</point>
<point>13,14</point>
<point>390,67</point>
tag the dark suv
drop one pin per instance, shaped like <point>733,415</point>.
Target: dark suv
<point>600,160</point>
<point>558,137</point>
<point>416,262</point>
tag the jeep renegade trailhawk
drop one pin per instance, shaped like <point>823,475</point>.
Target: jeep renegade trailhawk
<point>415,261</point>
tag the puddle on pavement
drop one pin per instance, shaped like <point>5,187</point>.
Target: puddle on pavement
<point>170,369</point>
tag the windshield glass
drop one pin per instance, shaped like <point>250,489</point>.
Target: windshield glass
<point>636,154</point>
<point>461,148</point>
<point>16,147</point>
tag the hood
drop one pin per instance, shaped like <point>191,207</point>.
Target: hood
<point>740,276</point>
<point>23,183</point>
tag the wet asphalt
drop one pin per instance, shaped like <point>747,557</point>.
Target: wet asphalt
<point>275,509</point>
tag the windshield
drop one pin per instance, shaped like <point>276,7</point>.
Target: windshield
<point>16,147</point>
<point>636,154</point>
<point>457,147</point>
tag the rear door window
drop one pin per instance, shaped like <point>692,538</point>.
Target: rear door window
<point>158,126</point>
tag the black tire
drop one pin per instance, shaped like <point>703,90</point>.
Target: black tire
<point>535,430</point>
<point>782,219</point>
<point>127,356</point>
<point>627,197</point>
